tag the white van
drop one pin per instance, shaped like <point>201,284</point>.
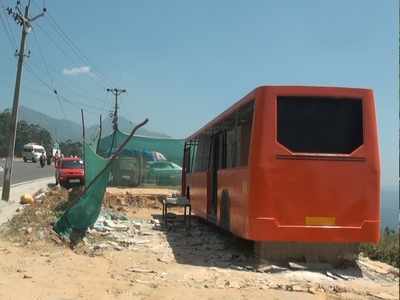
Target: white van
<point>32,152</point>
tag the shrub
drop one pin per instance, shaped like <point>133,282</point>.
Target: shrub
<point>387,250</point>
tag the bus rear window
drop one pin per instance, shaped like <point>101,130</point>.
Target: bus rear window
<point>319,124</point>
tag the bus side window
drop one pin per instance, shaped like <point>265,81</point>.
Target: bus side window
<point>245,122</point>
<point>202,153</point>
<point>231,148</point>
<point>193,154</point>
<point>187,164</point>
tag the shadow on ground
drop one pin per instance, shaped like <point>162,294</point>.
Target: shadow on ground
<point>205,244</point>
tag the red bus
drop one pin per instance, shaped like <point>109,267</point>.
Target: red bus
<point>289,164</point>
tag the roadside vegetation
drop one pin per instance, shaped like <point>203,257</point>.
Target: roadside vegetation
<point>69,148</point>
<point>387,250</point>
<point>26,133</point>
<point>32,133</point>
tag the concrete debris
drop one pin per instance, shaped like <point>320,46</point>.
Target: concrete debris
<point>118,216</point>
<point>155,221</point>
<point>271,269</point>
<point>101,246</point>
<point>137,226</point>
<point>342,276</point>
<point>115,226</point>
<point>299,288</point>
<point>383,296</point>
<point>309,266</point>
<point>40,235</point>
<point>163,260</point>
<point>115,246</point>
<point>119,231</point>
<point>330,275</point>
<point>135,270</point>
<point>378,267</point>
<point>40,197</point>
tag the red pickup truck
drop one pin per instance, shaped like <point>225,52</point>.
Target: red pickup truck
<point>70,171</point>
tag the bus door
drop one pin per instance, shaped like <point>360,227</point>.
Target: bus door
<point>216,162</point>
<point>213,178</point>
<point>186,168</point>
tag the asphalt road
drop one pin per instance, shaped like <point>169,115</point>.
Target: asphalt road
<point>26,171</point>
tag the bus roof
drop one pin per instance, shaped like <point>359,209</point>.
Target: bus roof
<point>225,113</point>
<point>250,96</point>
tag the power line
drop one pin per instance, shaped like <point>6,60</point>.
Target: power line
<point>52,40</point>
<point>50,77</point>
<point>61,97</point>
<point>75,49</point>
<point>42,57</point>
<point>67,55</point>
<point>81,93</point>
<point>30,70</point>
<point>77,91</point>
<point>43,93</point>
<point>7,30</point>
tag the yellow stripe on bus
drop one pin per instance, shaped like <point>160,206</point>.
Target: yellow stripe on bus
<point>315,221</point>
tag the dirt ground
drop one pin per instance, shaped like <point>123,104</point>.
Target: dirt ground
<point>136,257</point>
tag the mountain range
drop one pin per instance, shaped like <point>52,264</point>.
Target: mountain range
<point>62,129</point>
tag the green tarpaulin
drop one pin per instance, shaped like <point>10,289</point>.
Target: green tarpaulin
<point>85,212</point>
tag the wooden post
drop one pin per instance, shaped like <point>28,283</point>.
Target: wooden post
<point>99,139</point>
<point>83,142</point>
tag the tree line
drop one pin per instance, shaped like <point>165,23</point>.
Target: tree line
<point>32,133</point>
<point>26,133</point>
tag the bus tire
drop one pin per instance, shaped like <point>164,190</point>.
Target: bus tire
<point>188,193</point>
<point>225,210</point>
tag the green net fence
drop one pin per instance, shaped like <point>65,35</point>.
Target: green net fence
<point>142,161</point>
<point>86,211</point>
<point>145,161</point>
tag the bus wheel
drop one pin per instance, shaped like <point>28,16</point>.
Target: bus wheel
<point>188,193</point>
<point>225,210</point>
<point>25,159</point>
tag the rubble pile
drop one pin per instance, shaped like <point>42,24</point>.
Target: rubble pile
<point>127,199</point>
<point>34,219</point>
<point>114,231</point>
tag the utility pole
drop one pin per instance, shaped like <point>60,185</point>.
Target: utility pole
<point>25,21</point>
<point>116,93</point>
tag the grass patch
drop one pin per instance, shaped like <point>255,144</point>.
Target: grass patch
<point>387,250</point>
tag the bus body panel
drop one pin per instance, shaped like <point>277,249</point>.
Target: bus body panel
<point>340,192</point>
<point>197,184</point>
<point>233,184</point>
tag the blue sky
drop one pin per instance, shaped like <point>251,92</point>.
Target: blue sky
<point>183,62</point>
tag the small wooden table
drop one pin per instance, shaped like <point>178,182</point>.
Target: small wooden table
<point>177,202</point>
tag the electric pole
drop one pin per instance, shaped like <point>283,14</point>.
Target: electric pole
<point>25,22</point>
<point>116,93</point>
